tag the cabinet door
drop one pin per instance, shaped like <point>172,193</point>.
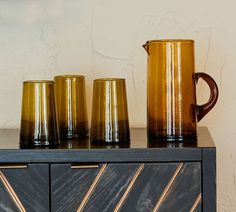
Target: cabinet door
<point>126,187</point>
<point>24,188</point>
<point>166,187</point>
<point>75,187</point>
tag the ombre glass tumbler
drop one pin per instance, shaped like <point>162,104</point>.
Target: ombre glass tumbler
<point>110,123</point>
<point>38,117</point>
<point>71,106</point>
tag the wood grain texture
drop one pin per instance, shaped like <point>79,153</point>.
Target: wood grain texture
<point>31,186</point>
<point>111,187</point>
<point>12,193</point>
<point>130,186</point>
<point>69,186</point>
<point>149,187</point>
<point>167,188</point>
<point>92,187</point>
<point>185,189</point>
<point>6,201</point>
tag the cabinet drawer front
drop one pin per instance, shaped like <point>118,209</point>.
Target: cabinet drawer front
<point>185,193</point>
<point>24,187</point>
<point>166,187</point>
<point>127,187</point>
<point>77,188</point>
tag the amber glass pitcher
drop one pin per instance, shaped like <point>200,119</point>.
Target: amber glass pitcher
<point>172,111</point>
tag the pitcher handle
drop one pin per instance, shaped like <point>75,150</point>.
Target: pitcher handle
<point>203,109</point>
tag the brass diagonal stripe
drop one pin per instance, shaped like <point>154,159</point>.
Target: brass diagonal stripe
<point>167,188</point>
<point>12,193</point>
<point>123,198</point>
<point>196,203</point>
<point>92,188</point>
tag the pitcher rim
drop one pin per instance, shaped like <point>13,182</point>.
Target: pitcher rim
<point>171,41</point>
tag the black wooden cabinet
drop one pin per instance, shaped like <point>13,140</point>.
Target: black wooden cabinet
<point>79,176</point>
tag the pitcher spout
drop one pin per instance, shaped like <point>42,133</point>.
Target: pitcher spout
<point>146,46</point>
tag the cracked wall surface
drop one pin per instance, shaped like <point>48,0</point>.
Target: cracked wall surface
<point>103,38</point>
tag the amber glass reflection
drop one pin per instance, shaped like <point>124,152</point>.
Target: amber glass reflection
<point>109,111</point>
<point>71,106</point>
<point>172,111</point>
<point>38,116</point>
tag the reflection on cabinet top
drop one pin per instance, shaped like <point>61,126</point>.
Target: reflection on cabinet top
<point>9,139</point>
<point>82,151</point>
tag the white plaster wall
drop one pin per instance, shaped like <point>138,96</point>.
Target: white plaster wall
<point>103,38</point>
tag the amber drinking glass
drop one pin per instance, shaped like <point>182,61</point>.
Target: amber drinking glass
<point>172,111</point>
<point>71,106</point>
<point>110,122</point>
<point>38,117</point>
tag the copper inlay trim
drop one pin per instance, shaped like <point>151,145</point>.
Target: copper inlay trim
<point>12,193</point>
<point>196,203</point>
<point>83,166</point>
<point>92,187</point>
<point>167,188</point>
<point>123,198</point>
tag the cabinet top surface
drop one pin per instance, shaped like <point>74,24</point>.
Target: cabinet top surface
<point>9,139</point>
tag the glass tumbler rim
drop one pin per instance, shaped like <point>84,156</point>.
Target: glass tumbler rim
<point>39,81</point>
<point>71,76</point>
<point>109,79</point>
